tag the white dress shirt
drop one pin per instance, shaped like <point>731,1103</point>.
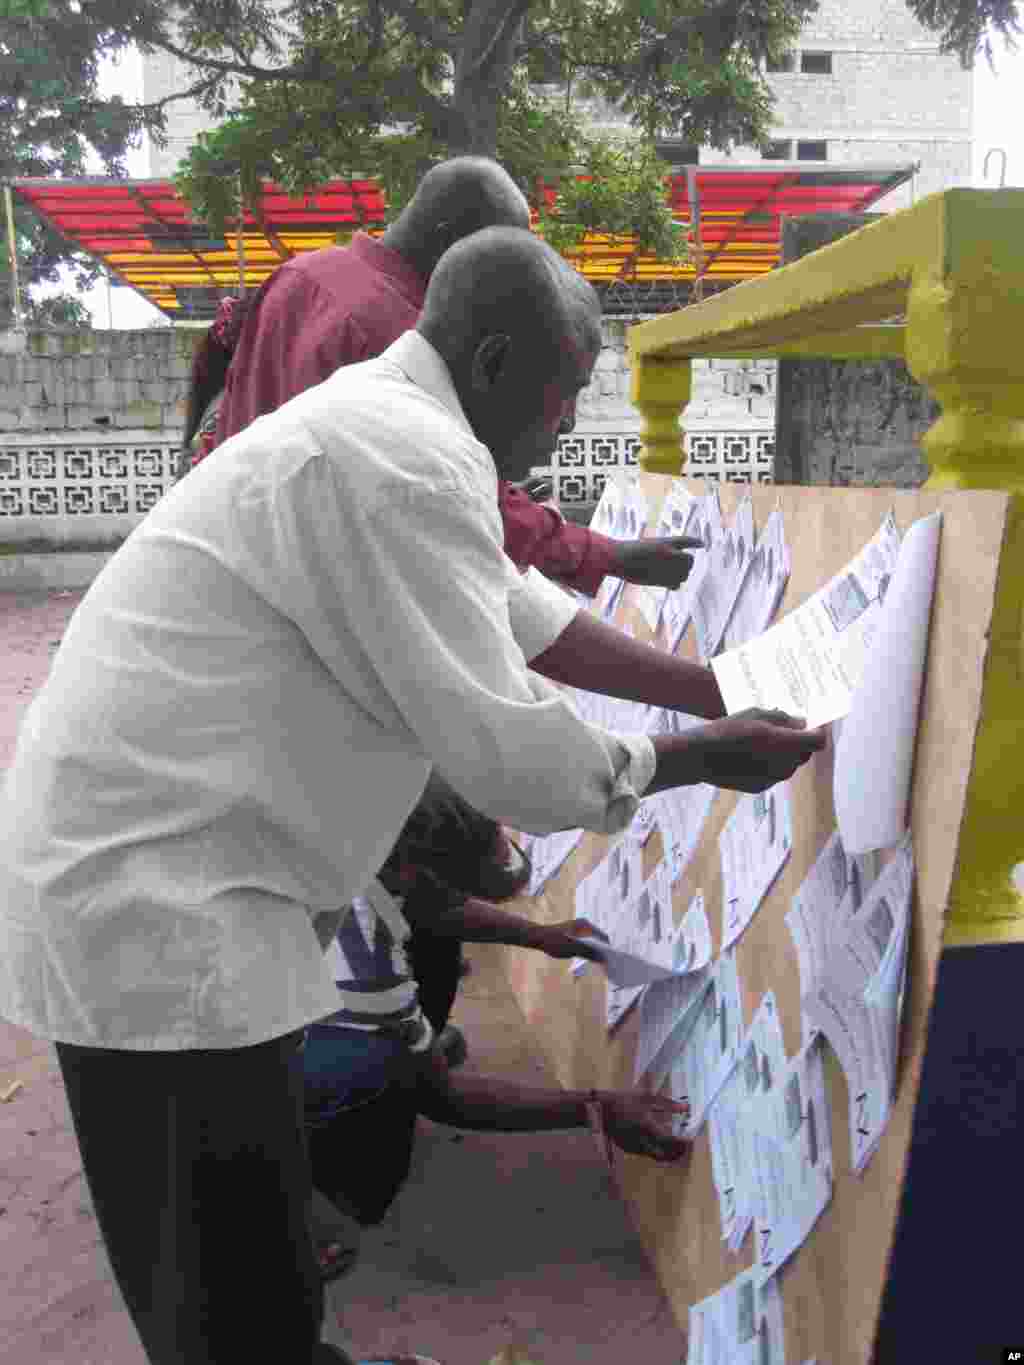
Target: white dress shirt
<point>245,707</point>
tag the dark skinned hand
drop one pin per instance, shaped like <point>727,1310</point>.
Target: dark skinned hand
<point>642,1124</point>
<point>752,750</point>
<point>561,940</point>
<point>662,562</point>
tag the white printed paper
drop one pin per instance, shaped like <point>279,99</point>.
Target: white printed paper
<point>833,888</point>
<point>642,936</point>
<point>741,1324</point>
<point>792,1149</point>
<point>763,586</point>
<point>672,519</point>
<point>681,813</point>
<point>875,751</point>
<point>666,1010</point>
<point>726,566</point>
<point>857,999</point>
<point>548,853</point>
<point>811,663</point>
<point>704,522</point>
<point>761,1065</point>
<point>602,893</point>
<point>621,514</point>
<point>753,846</point>
<point>711,1048</point>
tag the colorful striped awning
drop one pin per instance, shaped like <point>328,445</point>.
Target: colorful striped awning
<point>143,232</point>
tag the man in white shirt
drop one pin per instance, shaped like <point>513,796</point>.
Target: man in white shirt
<point>243,712</point>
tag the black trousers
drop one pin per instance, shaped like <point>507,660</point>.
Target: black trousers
<point>199,1172</point>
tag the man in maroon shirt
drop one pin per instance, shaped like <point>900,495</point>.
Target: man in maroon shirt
<point>337,306</point>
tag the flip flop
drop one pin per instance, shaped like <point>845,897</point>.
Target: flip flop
<point>335,1260</point>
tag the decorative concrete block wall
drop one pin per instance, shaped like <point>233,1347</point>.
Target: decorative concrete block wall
<point>90,426</point>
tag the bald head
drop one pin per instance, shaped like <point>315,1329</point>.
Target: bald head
<point>506,280</point>
<point>519,330</point>
<point>454,199</point>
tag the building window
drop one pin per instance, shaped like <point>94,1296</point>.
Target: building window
<point>786,61</point>
<point>816,63</point>
<point>778,151</point>
<point>812,151</point>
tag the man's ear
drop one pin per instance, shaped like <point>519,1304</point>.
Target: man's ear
<point>488,359</point>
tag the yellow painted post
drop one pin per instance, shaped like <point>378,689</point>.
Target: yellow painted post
<point>965,322</point>
<point>660,389</point>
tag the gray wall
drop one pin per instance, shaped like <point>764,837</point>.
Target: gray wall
<point>846,423</point>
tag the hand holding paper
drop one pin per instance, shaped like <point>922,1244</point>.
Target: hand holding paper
<point>751,751</point>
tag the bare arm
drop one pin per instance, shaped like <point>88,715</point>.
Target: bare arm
<point>479,921</point>
<point>636,1122</point>
<point>593,655</point>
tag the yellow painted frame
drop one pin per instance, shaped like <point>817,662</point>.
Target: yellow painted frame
<point>952,267</point>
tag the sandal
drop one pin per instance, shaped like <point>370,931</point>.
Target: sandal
<point>334,1260</point>
<point>336,1237</point>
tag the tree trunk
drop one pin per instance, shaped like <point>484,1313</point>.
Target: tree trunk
<point>485,62</point>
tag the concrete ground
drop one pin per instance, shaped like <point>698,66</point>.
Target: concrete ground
<point>497,1241</point>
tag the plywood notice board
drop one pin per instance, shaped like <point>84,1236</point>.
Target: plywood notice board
<point>832,1288</point>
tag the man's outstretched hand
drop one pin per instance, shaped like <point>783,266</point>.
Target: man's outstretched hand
<point>642,1124</point>
<point>752,750</point>
<point>659,563</point>
<point>561,940</point>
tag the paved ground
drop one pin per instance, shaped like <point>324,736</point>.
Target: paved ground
<point>496,1241</point>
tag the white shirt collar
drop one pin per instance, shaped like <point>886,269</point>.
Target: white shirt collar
<point>422,364</point>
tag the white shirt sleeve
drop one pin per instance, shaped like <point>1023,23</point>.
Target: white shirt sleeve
<point>539,610</point>
<point>420,587</point>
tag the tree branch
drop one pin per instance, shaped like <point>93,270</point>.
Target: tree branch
<point>158,106</point>
<point>256,73</point>
<point>433,33</point>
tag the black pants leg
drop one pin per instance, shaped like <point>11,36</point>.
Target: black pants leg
<point>199,1173</point>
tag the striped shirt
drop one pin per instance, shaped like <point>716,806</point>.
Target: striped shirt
<point>371,970</point>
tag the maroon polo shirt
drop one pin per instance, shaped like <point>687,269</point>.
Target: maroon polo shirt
<point>338,306</point>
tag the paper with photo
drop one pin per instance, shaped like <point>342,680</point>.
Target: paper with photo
<point>763,586</point>
<point>740,1324</point>
<point>621,514</point>
<point>681,813</point>
<point>835,885</point>
<point>548,853</point>
<point>667,1006</point>
<point>811,663</point>
<point>704,522</point>
<point>643,929</point>
<point>642,936</point>
<point>726,565</point>
<point>857,999</point>
<point>602,894</point>
<point>761,1065</point>
<point>754,846</point>
<point>792,1148</point>
<point>675,510</point>
<point>710,1050</point>
<point>875,752</point>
